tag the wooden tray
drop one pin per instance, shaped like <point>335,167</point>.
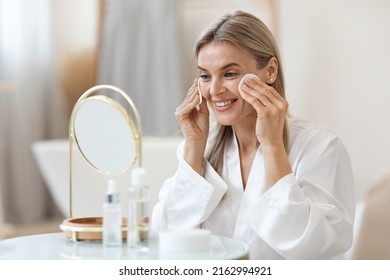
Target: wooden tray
<point>88,228</point>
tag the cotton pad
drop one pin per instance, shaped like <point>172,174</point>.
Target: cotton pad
<point>200,96</point>
<point>243,80</point>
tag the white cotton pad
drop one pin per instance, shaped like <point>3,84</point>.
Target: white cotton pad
<point>200,92</point>
<point>243,80</point>
<point>200,96</point>
<point>185,241</point>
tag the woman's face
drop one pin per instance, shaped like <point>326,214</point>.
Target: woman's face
<point>221,67</point>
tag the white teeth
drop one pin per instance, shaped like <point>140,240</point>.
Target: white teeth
<point>225,103</point>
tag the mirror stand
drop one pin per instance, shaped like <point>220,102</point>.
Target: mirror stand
<point>104,133</point>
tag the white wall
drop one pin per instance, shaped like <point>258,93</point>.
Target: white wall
<point>337,65</point>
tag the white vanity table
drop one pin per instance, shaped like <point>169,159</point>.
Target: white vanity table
<point>55,246</point>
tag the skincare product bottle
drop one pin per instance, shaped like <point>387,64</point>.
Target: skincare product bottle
<point>138,217</point>
<point>112,217</point>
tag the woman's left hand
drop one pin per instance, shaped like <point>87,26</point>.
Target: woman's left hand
<point>271,110</point>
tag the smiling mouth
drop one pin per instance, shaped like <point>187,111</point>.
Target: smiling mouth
<point>225,103</point>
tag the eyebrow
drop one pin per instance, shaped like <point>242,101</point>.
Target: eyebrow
<point>223,67</point>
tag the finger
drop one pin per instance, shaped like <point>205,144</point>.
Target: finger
<point>254,86</point>
<point>265,100</point>
<point>273,93</point>
<point>276,98</point>
<point>192,88</point>
<point>254,101</point>
<point>258,93</point>
<point>192,91</point>
<point>270,89</point>
<point>270,100</point>
<point>259,88</point>
<point>188,104</point>
<point>253,82</point>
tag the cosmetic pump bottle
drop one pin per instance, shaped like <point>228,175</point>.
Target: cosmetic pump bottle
<point>138,218</point>
<point>112,217</point>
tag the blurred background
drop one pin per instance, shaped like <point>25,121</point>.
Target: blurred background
<point>335,56</point>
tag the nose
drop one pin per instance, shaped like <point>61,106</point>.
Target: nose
<point>216,87</point>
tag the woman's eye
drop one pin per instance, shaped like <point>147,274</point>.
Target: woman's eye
<point>204,77</point>
<point>230,74</point>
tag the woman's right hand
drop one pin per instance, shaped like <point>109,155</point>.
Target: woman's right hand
<point>194,125</point>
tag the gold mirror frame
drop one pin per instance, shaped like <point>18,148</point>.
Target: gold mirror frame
<point>90,228</point>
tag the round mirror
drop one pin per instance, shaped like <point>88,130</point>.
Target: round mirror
<point>105,134</point>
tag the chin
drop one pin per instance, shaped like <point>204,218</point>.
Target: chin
<point>224,121</point>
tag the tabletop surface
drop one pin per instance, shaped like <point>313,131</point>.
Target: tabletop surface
<point>55,246</point>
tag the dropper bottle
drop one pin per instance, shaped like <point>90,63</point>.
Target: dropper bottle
<point>138,218</point>
<point>112,216</point>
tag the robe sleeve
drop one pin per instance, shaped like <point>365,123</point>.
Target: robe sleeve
<point>308,214</point>
<point>187,199</point>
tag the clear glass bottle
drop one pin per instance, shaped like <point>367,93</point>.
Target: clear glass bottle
<point>112,217</point>
<point>138,218</point>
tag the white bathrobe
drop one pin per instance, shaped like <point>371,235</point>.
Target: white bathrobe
<point>307,214</point>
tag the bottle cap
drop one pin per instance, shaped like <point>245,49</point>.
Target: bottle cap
<point>138,175</point>
<point>112,195</point>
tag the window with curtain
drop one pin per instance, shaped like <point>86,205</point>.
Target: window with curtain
<point>139,53</point>
<point>30,108</point>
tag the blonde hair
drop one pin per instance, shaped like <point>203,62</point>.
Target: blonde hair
<point>251,35</point>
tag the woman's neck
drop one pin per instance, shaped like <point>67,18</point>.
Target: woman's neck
<point>247,147</point>
<point>246,138</point>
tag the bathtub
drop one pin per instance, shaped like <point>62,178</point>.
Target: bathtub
<point>89,186</point>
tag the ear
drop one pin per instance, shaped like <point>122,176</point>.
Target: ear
<point>271,70</point>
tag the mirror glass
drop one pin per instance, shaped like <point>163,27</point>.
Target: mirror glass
<point>105,134</point>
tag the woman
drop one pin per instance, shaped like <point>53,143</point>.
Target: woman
<point>280,184</point>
